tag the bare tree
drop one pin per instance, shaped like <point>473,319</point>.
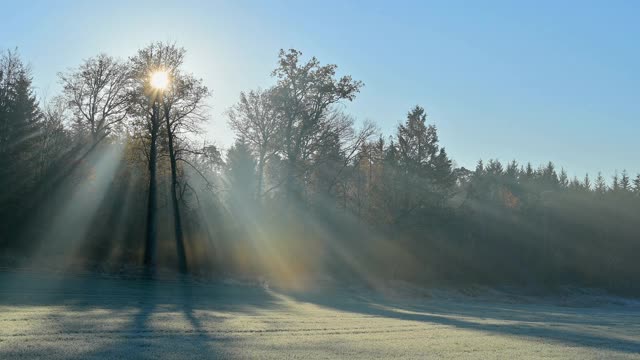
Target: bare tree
<point>303,95</point>
<point>256,119</point>
<point>146,103</point>
<point>183,110</point>
<point>97,92</point>
<point>350,141</point>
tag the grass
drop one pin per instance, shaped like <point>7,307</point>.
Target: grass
<point>47,316</point>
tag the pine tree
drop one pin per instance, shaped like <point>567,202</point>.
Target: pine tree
<point>549,175</point>
<point>20,135</point>
<point>19,126</point>
<point>615,183</point>
<point>479,168</point>
<point>494,167</point>
<point>563,179</point>
<point>601,186</point>
<point>625,182</point>
<point>529,173</point>
<point>575,184</point>
<point>512,170</point>
<point>417,142</point>
<point>443,172</point>
<point>636,185</point>
<point>586,184</point>
<point>390,182</point>
<point>241,167</point>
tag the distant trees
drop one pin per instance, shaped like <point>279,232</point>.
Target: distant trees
<point>600,186</point>
<point>625,182</point>
<point>304,182</point>
<point>241,175</point>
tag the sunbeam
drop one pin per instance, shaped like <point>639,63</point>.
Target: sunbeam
<point>85,192</point>
<point>155,205</point>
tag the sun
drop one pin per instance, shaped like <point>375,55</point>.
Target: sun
<point>160,80</point>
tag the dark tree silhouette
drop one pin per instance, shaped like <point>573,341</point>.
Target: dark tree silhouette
<point>147,101</point>
<point>183,108</point>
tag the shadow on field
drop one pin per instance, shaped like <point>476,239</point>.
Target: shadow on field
<point>138,313</point>
<point>130,318</point>
<point>585,327</point>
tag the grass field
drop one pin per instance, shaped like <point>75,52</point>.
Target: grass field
<point>96,318</point>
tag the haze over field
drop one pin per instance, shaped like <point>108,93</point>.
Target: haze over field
<point>226,179</point>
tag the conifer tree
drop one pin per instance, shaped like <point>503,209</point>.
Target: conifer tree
<point>586,183</point>
<point>625,182</point>
<point>615,183</point>
<point>529,173</point>
<point>563,179</point>
<point>636,185</point>
<point>575,184</point>
<point>601,186</point>
<point>19,126</point>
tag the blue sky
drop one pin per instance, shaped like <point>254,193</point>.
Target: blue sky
<point>531,81</point>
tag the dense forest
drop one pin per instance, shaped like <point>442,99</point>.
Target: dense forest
<point>115,174</point>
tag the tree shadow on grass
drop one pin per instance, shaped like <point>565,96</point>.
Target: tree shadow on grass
<point>126,319</point>
<point>573,327</point>
<point>79,309</point>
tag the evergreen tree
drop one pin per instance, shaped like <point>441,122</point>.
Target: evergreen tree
<point>586,183</point>
<point>494,168</point>
<point>443,172</point>
<point>625,182</point>
<point>241,167</point>
<point>615,183</point>
<point>575,184</point>
<point>548,175</point>
<point>512,170</point>
<point>601,186</point>
<point>636,185</point>
<point>391,183</point>
<point>391,155</point>
<point>417,142</point>
<point>563,179</point>
<point>19,128</point>
<point>529,173</point>
<point>479,169</point>
<point>426,170</point>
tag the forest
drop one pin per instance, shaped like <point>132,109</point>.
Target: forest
<point>116,175</point>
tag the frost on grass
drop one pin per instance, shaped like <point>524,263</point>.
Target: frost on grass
<point>115,319</point>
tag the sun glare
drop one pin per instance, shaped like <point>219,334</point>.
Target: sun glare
<point>160,80</point>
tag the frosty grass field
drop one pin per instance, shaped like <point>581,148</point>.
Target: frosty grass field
<point>98,318</point>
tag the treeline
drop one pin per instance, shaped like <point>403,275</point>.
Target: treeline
<point>115,174</point>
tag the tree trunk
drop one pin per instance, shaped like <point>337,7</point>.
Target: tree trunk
<point>152,216</point>
<point>291,191</point>
<point>177,221</point>
<point>261,162</point>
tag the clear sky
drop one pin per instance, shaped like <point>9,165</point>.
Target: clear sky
<point>531,81</point>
